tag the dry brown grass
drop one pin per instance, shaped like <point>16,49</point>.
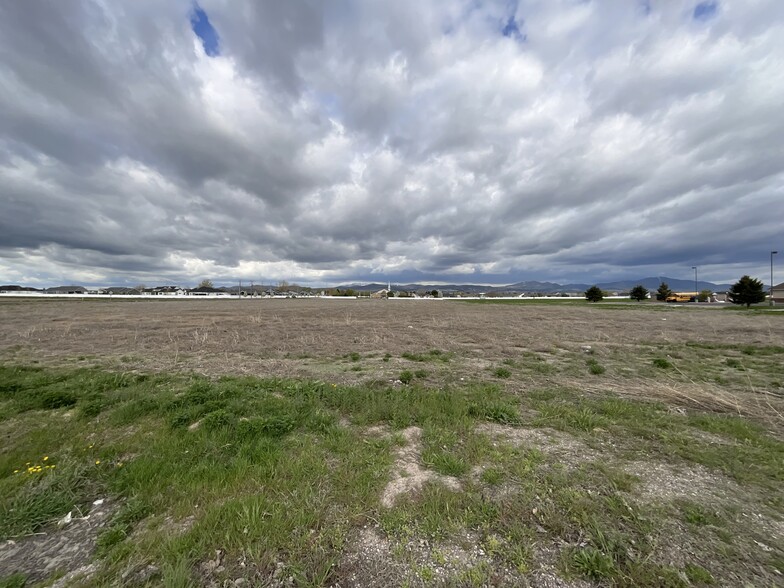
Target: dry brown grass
<point>311,338</point>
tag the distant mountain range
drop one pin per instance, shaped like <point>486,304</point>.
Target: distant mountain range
<point>652,284</point>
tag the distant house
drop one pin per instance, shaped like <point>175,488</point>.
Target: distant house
<point>66,290</point>
<point>120,290</point>
<point>16,289</point>
<point>164,291</point>
<point>205,291</point>
<point>778,293</point>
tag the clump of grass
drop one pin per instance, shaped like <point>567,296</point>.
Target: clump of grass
<point>699,575</point>
<point>566,416</point>
<point>592,563</point>
<point>662,363</point>
<point>432,355</point>
<point>495,411</point>
<point>698,515</point>
<point>420,374</point>
<point>492,476</point>
<point>354,356</point>
<point>502,372</point>
<point>387,357</point>
<point>14,581</point>
<point>91,407</point>
<point>446,463</point>
<point>733,363</point>
<point>406,376</point>
<point>133,511</point>
<point>595,367</point>
<point>29,502</point>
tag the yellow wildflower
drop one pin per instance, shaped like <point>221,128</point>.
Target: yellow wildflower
<point>97,461</point>
<point>46,457</point>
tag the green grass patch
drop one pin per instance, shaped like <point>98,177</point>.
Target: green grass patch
<point>662,363</point>
<point>595,368</point>
<point>268,470</point>
<point>434,355</point>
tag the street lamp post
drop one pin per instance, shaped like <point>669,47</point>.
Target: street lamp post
<point>696,292</point>
<point>772,253</point>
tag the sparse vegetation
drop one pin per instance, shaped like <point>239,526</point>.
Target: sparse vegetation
<point>513,457</point>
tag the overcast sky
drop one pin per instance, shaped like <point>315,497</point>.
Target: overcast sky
<point>333,141</point>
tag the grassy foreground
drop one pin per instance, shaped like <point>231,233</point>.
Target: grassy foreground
<point>280,482</point>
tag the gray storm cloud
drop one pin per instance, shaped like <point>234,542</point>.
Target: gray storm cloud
<point>352,140</point>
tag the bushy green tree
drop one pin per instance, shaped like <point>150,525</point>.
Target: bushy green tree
<point>663,291</point>
<point>639,293</point>
<point>746,291</point>
<point>704,295</point>
<point>594,294</point>
<point>206,284</point>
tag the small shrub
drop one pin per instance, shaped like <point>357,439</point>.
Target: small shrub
<point>733,363</point>
<point>420,374</point>
<point>386,357</point>
<point>406,376</point>
<point>355,356</point>
<point>502,372</point>
<point>662,363</point>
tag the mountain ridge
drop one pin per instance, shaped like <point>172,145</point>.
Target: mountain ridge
<point>651,283</point>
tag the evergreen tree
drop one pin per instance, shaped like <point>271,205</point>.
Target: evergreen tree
<point>746,291</point>
<point>639,293</point>
<point>594,294</point>
<point>663,292</point>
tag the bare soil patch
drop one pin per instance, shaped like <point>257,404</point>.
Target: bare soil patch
<point>408,475</point>
<point>67,550</point>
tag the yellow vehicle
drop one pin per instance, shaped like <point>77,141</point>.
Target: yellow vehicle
<point>681,297</point>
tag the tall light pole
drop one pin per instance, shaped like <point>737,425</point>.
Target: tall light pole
<point>696,292</point>
<point>772,253</point>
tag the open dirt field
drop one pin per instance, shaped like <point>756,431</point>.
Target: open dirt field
<point>315,338</point>
<point>352,443</point>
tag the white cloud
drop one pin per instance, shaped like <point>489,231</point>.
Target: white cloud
<point>350,140</point>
